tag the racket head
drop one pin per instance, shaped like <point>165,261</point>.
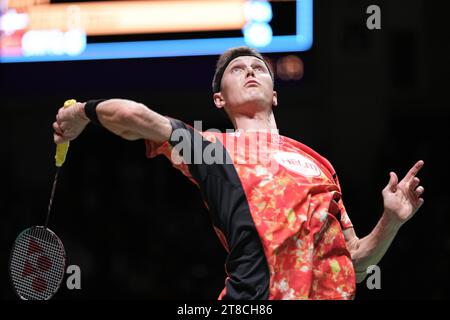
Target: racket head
<point>37,264</point>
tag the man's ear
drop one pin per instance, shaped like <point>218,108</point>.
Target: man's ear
<point>275,99</point>
<point>218,100</point>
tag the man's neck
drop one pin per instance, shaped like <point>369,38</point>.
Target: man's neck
<point>260,121</point>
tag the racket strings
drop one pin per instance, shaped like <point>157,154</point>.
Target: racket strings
<point>37,264</point>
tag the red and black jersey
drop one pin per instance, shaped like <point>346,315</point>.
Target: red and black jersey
<point>276,206</point>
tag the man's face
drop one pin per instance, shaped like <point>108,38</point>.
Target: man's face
<point>246,84</point>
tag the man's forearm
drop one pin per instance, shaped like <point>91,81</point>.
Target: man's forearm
<point>370,249</point>
<point>132,120</point>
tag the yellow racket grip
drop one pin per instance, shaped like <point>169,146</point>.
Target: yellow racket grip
<point>61,149</point>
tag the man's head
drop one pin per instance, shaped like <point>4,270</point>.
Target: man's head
<point>243,82</point>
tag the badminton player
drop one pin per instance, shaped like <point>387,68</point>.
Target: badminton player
<point>284,226</point>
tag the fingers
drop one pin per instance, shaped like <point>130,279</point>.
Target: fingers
<point>59,135</point>
<point>61,123</point>
<point>414,183</point>
<point>393,181</point>
<point>57,128</point>
<point>58,139</point>
<point>60,132</point>
<point>419,191</point>
<point>58,115</point>
<point>61,115</point>
<point>420,202</point>
<point>413,171</point>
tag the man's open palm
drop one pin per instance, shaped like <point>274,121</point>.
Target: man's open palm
<point>403,199</point>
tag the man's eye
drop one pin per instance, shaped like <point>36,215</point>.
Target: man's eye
<point>236,69</point>
<point>259,68</point>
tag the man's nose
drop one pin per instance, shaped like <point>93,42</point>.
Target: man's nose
<point>250,72</point>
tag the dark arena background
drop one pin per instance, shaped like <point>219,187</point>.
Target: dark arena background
<point>370,101</point>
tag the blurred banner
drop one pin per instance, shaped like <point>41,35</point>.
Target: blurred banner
<point>46,31</point>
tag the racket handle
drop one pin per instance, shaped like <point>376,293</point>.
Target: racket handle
<point>61,149</point>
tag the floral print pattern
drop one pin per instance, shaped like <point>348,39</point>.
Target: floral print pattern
<point>299,218</point>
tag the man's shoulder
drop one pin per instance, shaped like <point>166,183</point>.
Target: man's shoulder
<point>313,153</point>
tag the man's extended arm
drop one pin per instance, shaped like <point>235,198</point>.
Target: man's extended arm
<point>370,249</point>
<point>126,118</point>
<point>401,202</point>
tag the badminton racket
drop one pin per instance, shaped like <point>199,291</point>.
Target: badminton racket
<point>38,258</point>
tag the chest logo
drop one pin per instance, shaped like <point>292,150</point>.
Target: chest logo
<point>297,163</point>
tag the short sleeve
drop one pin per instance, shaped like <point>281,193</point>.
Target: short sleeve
<point>167,149</point>
<point>345,219</point>
<point>180,150</point>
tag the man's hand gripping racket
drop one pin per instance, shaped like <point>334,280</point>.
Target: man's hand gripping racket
<point>38,259</point>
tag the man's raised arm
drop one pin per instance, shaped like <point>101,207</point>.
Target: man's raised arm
<point>401,201</point>
<point>126,118</point>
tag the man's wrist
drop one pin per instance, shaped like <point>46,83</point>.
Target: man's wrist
<point>81,111</point>
<point>389,222</point>
<point>90,110</point>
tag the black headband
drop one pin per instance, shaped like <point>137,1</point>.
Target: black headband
<point>219,73</point>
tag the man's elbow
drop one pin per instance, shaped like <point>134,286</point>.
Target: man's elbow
<point>360,276</point>
<point>359,267</point>
<point>129,135</point>
<point>357,263</point>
